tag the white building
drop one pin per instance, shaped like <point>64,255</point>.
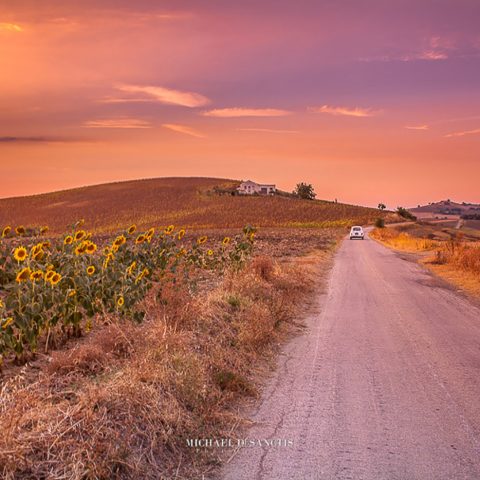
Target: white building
<point>251,188</point>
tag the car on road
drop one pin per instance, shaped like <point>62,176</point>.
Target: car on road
<point>357,232</point>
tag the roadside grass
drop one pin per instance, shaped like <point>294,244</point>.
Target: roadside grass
<point>123,401</point>
<point>457,260</point>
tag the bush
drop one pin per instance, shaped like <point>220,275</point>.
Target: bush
<point>403,212</point>
<point>380,223</point>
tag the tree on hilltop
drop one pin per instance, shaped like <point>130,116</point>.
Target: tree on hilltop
<point>305,191</point>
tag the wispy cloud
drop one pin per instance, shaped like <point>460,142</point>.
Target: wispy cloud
<point>417,127</point>
<point>183,129</point>
<point>245,112</point>
<point>162,95</point>
<point>10,27</point>
<point>266,130</point>
<point>348,111</point>
<point>117,123</point>
<point>40,139</point>
<point>462,134</point>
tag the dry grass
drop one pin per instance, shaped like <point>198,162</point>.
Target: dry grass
<point>188,202</point>
<point>122,403</point>
<point>402,240</point>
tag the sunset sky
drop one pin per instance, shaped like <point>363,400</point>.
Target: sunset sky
<point>369,100</point>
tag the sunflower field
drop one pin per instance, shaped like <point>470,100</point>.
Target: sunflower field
<point>55,287</point>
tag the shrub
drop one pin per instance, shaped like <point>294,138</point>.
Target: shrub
<point>380,223</point>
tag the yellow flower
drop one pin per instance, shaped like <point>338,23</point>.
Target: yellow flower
<point>90,270</point>
<point>114,248</point>
<point>37,251</point>
<point>169,230</point>
<point>6,231</point>
<point>252,236</point>
<point>144,272</point>
<point>209,253</point>
<point>181,234</point>
<point>72,293</point>
<point>106,250</point>
<point>50,267</point>
<point>36,275</point>
<point>90,248</point>
<point>132,229</point>
<point>44,230</point>
<point>23,275</point>
<point>120,301</point>
<point>140,239</point>
<point>202,240</point>
<point>56,277</point>
<point>150,232</point>
<point>7,322</point>
<point>80,248</point>
<point>107,260</point>
<point>181,252</point>
<point>1,303</point>
<point>46,244</point>
<point>131,268</point>
<point>20,254</point>
<point>68,240</point>
<point>49,275</point>
<point>20,230</point>
<point>120,240</point>
<point>80,235</point>
<point>226,241</point>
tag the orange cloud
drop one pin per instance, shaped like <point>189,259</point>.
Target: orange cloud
<point>183,129</point>
<point>266,130</point>
<point>10,27</point>
<point>117,123</point>
<point>462,134</point>
<point>417,127</point>
<point>245,112</point>
<point>350,112</point>
<point>164,95</point>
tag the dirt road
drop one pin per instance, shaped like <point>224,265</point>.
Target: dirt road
<point>384,384</point>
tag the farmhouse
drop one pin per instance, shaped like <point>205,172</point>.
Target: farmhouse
<point>251,188</point>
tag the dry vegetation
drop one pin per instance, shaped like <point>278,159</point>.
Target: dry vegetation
<point>187,202</point>
<point>454,256</point>
<point>123,401</point>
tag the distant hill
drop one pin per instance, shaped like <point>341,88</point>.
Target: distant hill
<point>447,207</point>
<point>189,202</point>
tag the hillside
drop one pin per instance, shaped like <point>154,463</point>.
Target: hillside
<point>447,207</point>
<point>188,202</point>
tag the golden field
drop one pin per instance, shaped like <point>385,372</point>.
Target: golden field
<point>187,202</point>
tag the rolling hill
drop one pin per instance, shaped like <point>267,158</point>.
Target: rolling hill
<point>446,207</point>
<point>189,202</point>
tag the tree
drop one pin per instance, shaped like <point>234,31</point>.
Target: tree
<point>305,191</point>
<point>382,206</point>
<point>403,212</point>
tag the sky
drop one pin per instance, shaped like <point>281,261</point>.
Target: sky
<point>369,100</point>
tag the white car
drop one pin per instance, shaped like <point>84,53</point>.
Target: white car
<point>356,232</point>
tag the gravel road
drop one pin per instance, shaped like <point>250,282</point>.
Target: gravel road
<point>383,384</point>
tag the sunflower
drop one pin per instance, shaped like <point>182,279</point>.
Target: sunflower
<point>20,230</point>
<point>120,301</point>
<point>181,234</point>
<point>39,255</point>
<point>181,252</point>
<point>36,275</point>
<point>49,275</point>
<point>50,267</point>
<point>131,229</point>
<point>106,250</point>
<point>56,277</point>
<point>226,241</point>
<point>150,232</point>
<point>252,236</point>
<point>90,270</point>
<point>23,275</point>
<point>80,248</point>
<point>68,240</point>
<point>80,235</point>
<point>143,273</point>
<point>20,254</point>
<point>44,230</point>
<point>7,322</point>
<point>131,268</point>
<point>72,293</point>
<point>107,260</point>
<point>46,244</point>
<point>90,248</point>
<point>120,240</point>
<point>6,231</point>
<point>1,303</point>
<point>114,248</point>
<point>140,239</point>
<point>209,253</point>
<point>169,230</point>
<point>202,240</point>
